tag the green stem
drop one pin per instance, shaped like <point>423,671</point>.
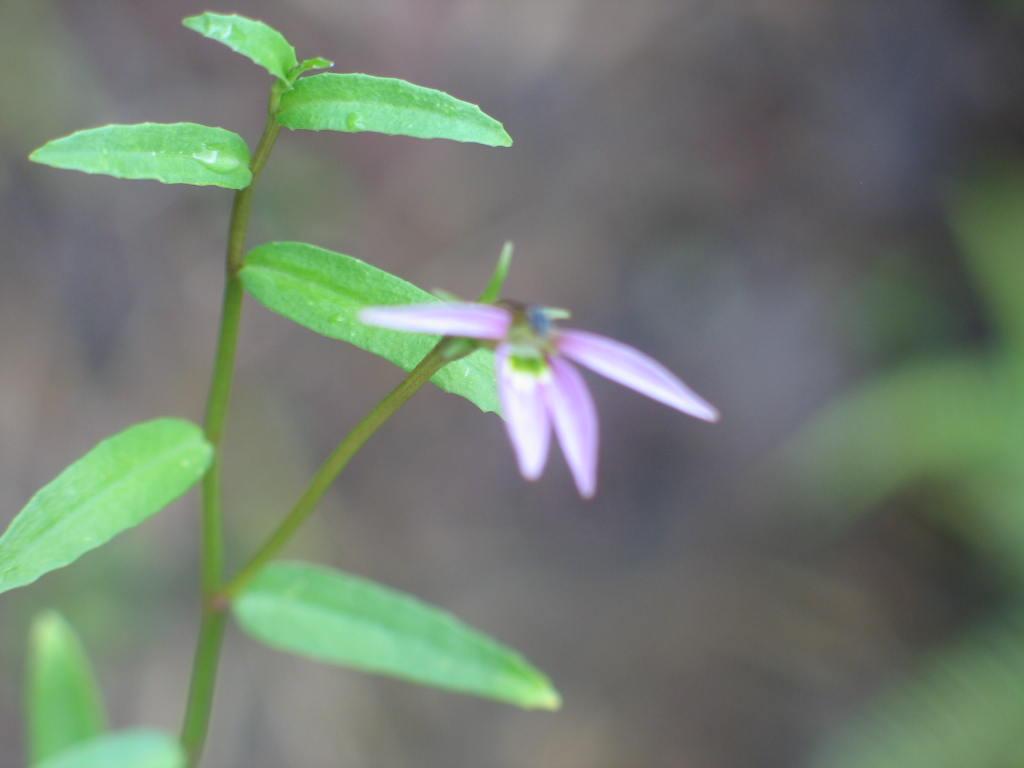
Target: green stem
<point>437,358</point>
<point>211,630</point>
<point>201,686</point>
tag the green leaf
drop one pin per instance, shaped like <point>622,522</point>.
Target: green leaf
<point>494,286</point>
<point>317,62</point>
<point>937,419</point>
<point>988,219</point>
<point>127,749</point>
<point>115,486</point>
<point>64,703</point>
<point>964,708</point>
<point>341,619</point>
<point>255,40</point>
<point>987,511</point>
<point>174,153</point>
<point>324,291</point>
<point>354,103</point>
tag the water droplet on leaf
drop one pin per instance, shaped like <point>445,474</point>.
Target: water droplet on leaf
<point>215,161</point>
<point>354,122</point>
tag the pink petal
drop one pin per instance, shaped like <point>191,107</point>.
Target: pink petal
<point>632,368</point>
<point>526,418</point>
<point>476,321</point>
<point>572,410</point>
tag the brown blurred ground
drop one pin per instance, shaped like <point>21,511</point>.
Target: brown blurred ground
<point>725,185</point>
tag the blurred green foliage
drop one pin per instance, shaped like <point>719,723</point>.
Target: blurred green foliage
<point>957,422</point>
<point>64,703</point>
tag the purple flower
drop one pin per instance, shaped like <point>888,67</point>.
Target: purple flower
<point>539,387</point>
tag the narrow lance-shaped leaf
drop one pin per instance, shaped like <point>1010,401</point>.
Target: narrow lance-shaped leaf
<point>492,291</point>
<point>64,703</point>
<point>124,480</point>
<point>317,62</point>
<point>257,41</point>
<point>341,619</point>
<point>354,103</point>
<point>127,749</point>
<point>324,291</point>
<point>173,153</point>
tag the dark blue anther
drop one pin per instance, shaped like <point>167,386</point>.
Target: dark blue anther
<point>539,320</point>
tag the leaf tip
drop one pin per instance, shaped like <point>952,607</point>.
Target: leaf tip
<point>38,155</point>
<point>547,699</point>
<point>492,292</point>
<point>46,627</point>
<point>317,62</point>
<point>499,136</point>
<point>244,180</point>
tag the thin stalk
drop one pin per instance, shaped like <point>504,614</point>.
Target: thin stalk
<point>437,358</point>
<point>202,684</point>
<point>211,630</point>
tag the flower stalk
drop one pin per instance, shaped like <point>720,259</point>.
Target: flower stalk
<point>436,359</point>
<point>211,629</point>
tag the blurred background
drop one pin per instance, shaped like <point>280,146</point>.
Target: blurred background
<point>812,211</point>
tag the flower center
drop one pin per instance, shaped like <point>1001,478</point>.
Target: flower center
<point>539,320</point>
<point>529,362</point>
<point>530,339</point>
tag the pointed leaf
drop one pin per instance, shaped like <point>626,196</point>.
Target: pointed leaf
<point>255,40</point>
<point>317,62</point>
<point>174,153</point>
<point>115,486</point>
<point>492,292</point>
<point>341,619</point>
<point>353,103</point>
<point>65,706</point>
<point>126,749</point>
<point>324,291</point>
